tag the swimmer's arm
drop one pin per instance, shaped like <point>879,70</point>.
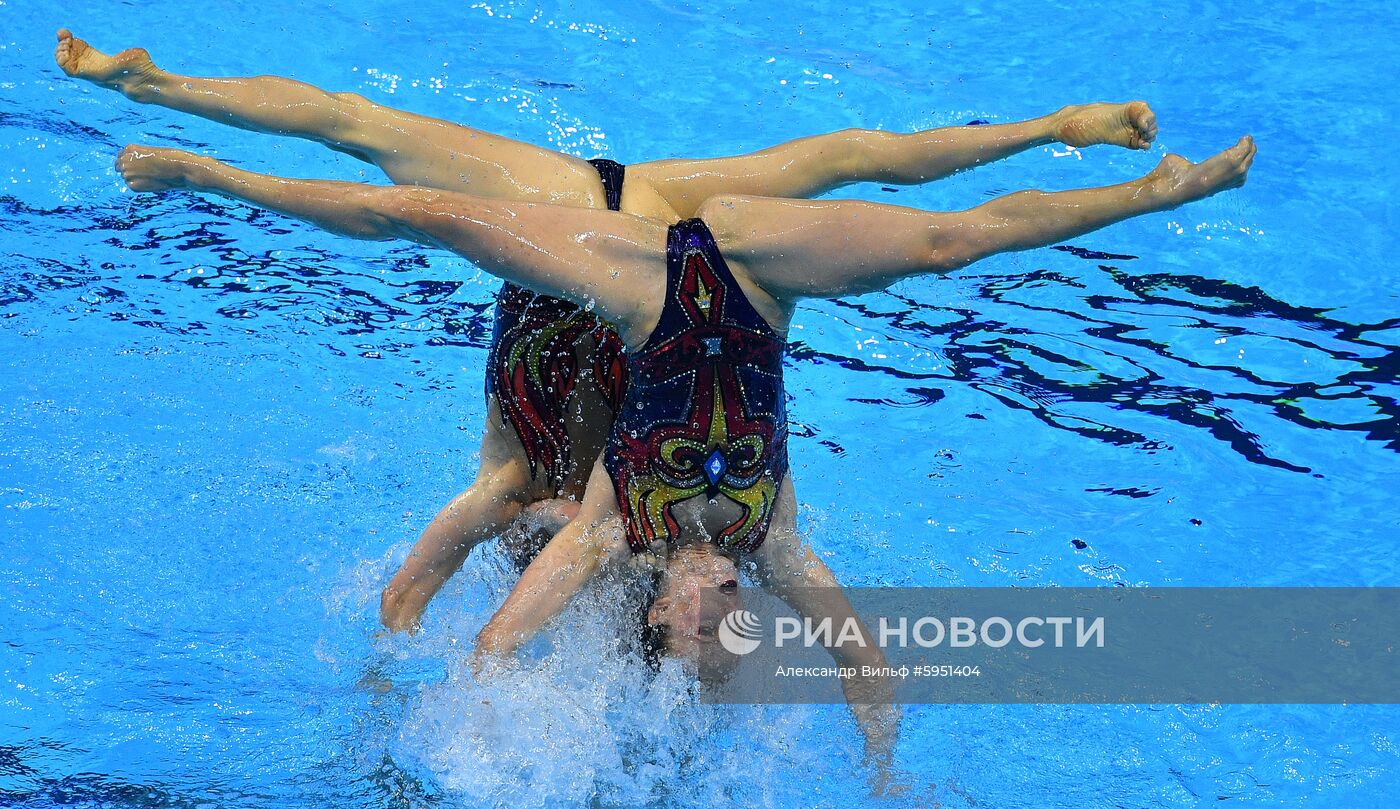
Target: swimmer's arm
<point>789,569</point>
<point>570,560</point>
<point>476,514</point>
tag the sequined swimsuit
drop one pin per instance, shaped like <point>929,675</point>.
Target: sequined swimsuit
<point>533,365</point>
<point>704,410</point>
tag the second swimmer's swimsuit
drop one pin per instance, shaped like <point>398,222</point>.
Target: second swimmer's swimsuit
<point>534,364</point>
<point>704,411</point>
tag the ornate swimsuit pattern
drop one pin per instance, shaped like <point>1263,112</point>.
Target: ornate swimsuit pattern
<point>533,365</point>
<point>704,412</point>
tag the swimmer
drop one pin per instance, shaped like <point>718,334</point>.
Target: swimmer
<point>561,369</point>
<point>693,477</point>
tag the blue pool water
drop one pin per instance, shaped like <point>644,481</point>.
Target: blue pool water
<point>220,430</point>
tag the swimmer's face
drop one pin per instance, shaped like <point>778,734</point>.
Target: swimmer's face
<point>698,590</point>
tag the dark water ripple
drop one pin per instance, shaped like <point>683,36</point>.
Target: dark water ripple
<point>980,347</point>
<point>57,125</point>
<point>181,266</point>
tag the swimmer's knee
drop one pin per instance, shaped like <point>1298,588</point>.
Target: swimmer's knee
<point>354,130</point>
<point>715,206</point>
<point>354,103</point>
<point>861,153</point>
<point>722,212</point>
<point>733,219</point>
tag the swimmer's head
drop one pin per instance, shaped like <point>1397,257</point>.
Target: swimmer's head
<point>698,588</point>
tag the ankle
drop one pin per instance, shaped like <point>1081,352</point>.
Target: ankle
<point>1157,192</point>
<point>198,171</point>
<point>144,86</point>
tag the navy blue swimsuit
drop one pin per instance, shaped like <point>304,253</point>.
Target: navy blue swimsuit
<point>704,410</point>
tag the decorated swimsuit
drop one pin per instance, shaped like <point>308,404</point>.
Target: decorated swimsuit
<point>704,411</point>
<point>533,366</point>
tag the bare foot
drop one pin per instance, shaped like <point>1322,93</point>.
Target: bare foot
<point>151,168</point>
<point>1132,125</point>
<point>123,71</point>
<point>1179,181</point>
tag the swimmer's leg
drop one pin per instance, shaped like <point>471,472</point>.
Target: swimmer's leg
<point>495,499</point>
<point>411,149</point>
<point>815,165</point>
<point>799,248</point>
<point>613,264</point>
<point>788,249</point>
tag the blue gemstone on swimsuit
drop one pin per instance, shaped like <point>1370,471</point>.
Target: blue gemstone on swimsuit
<point>715,467</point>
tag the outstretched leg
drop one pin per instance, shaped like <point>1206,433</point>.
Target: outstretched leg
<point>814,165</point>
<point>787,249</point>
<point>411,149</point>
<point>799,248</point>
<point>611,264</point>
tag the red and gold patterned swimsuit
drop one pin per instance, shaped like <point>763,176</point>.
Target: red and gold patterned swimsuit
<point>704,410</point>
<point>533,366</point>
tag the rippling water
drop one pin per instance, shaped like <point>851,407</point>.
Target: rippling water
<point>222,429</point>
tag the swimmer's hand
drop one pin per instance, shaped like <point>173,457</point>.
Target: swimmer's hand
<point>880,724</point>
<point>486,665</point>
<point>892,787</point>
<point>394,614</point>
<point>871,700</point>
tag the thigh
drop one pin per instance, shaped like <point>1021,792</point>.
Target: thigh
<point>799,168</point>
<point>611,264</point>
<point>434,153</point>
<point>790,248</point>
<point>417,150</point>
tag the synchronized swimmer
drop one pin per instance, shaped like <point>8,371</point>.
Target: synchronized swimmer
<point>643,323</point>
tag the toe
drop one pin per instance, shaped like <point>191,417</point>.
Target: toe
<point>1145,121</point>
<point>64,34</point>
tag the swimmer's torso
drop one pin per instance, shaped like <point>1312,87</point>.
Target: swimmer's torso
<point>698,449</point>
